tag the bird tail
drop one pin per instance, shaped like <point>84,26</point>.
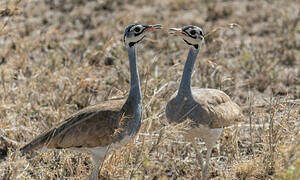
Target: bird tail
<point>39,142</point>
<point>3,153</point>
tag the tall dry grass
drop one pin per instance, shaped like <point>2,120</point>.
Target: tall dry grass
<point>57,57</point>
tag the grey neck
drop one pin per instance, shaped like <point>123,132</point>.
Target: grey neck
<point>185,84</point>
<point>135,89</point>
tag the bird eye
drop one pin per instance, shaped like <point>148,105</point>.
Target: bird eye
<point>137,29</point>
<point>192,32</point>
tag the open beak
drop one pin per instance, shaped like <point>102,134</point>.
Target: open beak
<point>176,31</point>
<point>153,27</point>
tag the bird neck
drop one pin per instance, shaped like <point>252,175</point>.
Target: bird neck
<point>185,84</point>
<point>135,89</point>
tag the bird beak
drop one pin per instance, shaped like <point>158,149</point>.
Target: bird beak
<point>176,31</point>
<point>153,27</point>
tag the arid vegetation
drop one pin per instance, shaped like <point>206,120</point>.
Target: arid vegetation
<point>57,57</point>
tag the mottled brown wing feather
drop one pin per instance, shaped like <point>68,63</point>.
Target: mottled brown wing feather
<point>95,130</point>
<point>89,127</point>
<point>221,110</point>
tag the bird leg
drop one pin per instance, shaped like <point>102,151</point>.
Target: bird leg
<point>98,155</point>
<point>198,155</point>
<point>210,142</point>
<point>207,159</point>
<point>95,172</point>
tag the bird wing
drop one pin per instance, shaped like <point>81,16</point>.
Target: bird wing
<point>218,106</point>
<point>90,127</point>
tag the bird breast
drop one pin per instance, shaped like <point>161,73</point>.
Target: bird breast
<point>178,109</point>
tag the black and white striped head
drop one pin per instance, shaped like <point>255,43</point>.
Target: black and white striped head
<point>135,33</point>
<point>192,35</point>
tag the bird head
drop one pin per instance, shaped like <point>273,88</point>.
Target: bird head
<point>192,35</point>
<point>135,33</point>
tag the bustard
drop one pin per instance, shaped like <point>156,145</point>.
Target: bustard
<point>209,110</point>
<point>111,123</point>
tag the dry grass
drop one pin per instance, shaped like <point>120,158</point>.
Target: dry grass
<point>57,57</point>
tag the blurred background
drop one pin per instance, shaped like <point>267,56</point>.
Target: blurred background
<point>59,56</point>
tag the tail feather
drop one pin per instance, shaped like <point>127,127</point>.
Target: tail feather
<point>3,146</point>
<point>39,142</point>
<point>3,153</point>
